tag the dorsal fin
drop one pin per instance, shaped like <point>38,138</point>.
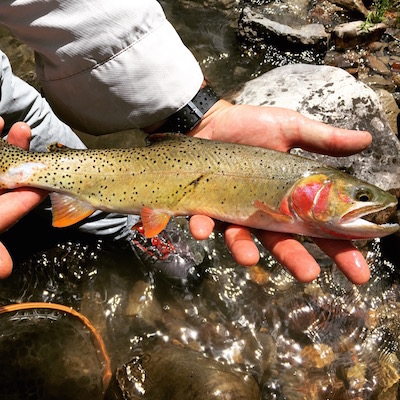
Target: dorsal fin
<point>166,137</point>
<point>57,147</point>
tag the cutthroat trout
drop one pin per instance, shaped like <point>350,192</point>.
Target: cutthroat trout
<point>179,175</point>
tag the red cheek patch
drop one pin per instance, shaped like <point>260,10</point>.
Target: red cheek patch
<point>303,197</point>
<point>322,203</point>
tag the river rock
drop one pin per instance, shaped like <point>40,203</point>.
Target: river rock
<point>391,108</point>
<point>171,372</point>
<point>377,82</point>
<point>335,97</point>
<point>217,4</point>
<point>256,27</point>
<point>352,34</point>
<point>352,5</point>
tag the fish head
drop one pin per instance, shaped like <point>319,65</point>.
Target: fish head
<point>337,204</point>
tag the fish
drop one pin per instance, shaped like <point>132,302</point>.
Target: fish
<point>178,175</point>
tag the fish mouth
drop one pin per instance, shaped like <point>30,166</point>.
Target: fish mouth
<point>372,219</point>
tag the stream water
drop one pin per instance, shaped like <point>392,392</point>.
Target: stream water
<point>227,332</point>
<point>211,34</point>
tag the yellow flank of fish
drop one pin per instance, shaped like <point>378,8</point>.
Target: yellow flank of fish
<point>179,175</point>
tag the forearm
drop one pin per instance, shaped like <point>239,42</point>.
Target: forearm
<point>132,74</point>
<point>21,102</point>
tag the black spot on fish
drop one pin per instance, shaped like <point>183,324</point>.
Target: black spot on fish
<point>196,181</point>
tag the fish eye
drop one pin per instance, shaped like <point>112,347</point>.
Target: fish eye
<point>363,194</point>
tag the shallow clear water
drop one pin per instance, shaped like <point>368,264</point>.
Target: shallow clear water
<point>211,34</point>
<point>285,340</point>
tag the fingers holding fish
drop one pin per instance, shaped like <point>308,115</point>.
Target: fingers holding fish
<point>347,257</point>
<point>279,129</point>
<point>237,238</point>
<point>16,203</point>
<point>318,137</point>
<point>291,254</point>
<point>20,135</point>
<point>287,251</point>
<point>242,185</point>
<point>201,226</point>
<point>5,262</point>
<point>240,243</point>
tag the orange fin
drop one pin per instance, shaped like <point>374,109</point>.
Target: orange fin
<point>277,216</point>
<point>153,221</point>
<point>68,210</point>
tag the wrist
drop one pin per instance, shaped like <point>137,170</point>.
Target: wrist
<point>189,116</point>
<point>209,126</point>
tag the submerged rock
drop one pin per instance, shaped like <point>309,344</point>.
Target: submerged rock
<point>391,108</point>
<point>171,372</point>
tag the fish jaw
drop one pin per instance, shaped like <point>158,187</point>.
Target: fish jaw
<point>362,229</point>
<point>353,222</point>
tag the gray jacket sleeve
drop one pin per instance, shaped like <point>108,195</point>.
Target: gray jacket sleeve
<point>21,102</point>
<point>106,66</point>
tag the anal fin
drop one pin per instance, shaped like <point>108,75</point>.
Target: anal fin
<point>68,211</point>
<point>153,221</point>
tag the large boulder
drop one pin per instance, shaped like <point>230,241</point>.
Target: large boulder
<point>335,97</point>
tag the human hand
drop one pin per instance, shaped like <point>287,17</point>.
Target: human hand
<point>281,129</point>
<point>16,203</point>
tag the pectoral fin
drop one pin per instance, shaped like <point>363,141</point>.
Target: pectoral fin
<point>68,210</point>
<point>153,221</point>
<point>275,215</point>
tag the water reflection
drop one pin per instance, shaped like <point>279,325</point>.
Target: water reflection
<point>256,328</point>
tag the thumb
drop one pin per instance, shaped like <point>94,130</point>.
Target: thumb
<point>20,135</point>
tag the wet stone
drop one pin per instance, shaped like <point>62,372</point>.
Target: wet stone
<point>352,5</point>
<point>318,356</point>
<point>377,81</point>
<point>378,65</point>
<point>190,376</point>
<point>349,60</point>
<point>377,46</point>
<point>351,34</point>
<point>396,80</point>
<point>391,108</point>
<point>258,28</point>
